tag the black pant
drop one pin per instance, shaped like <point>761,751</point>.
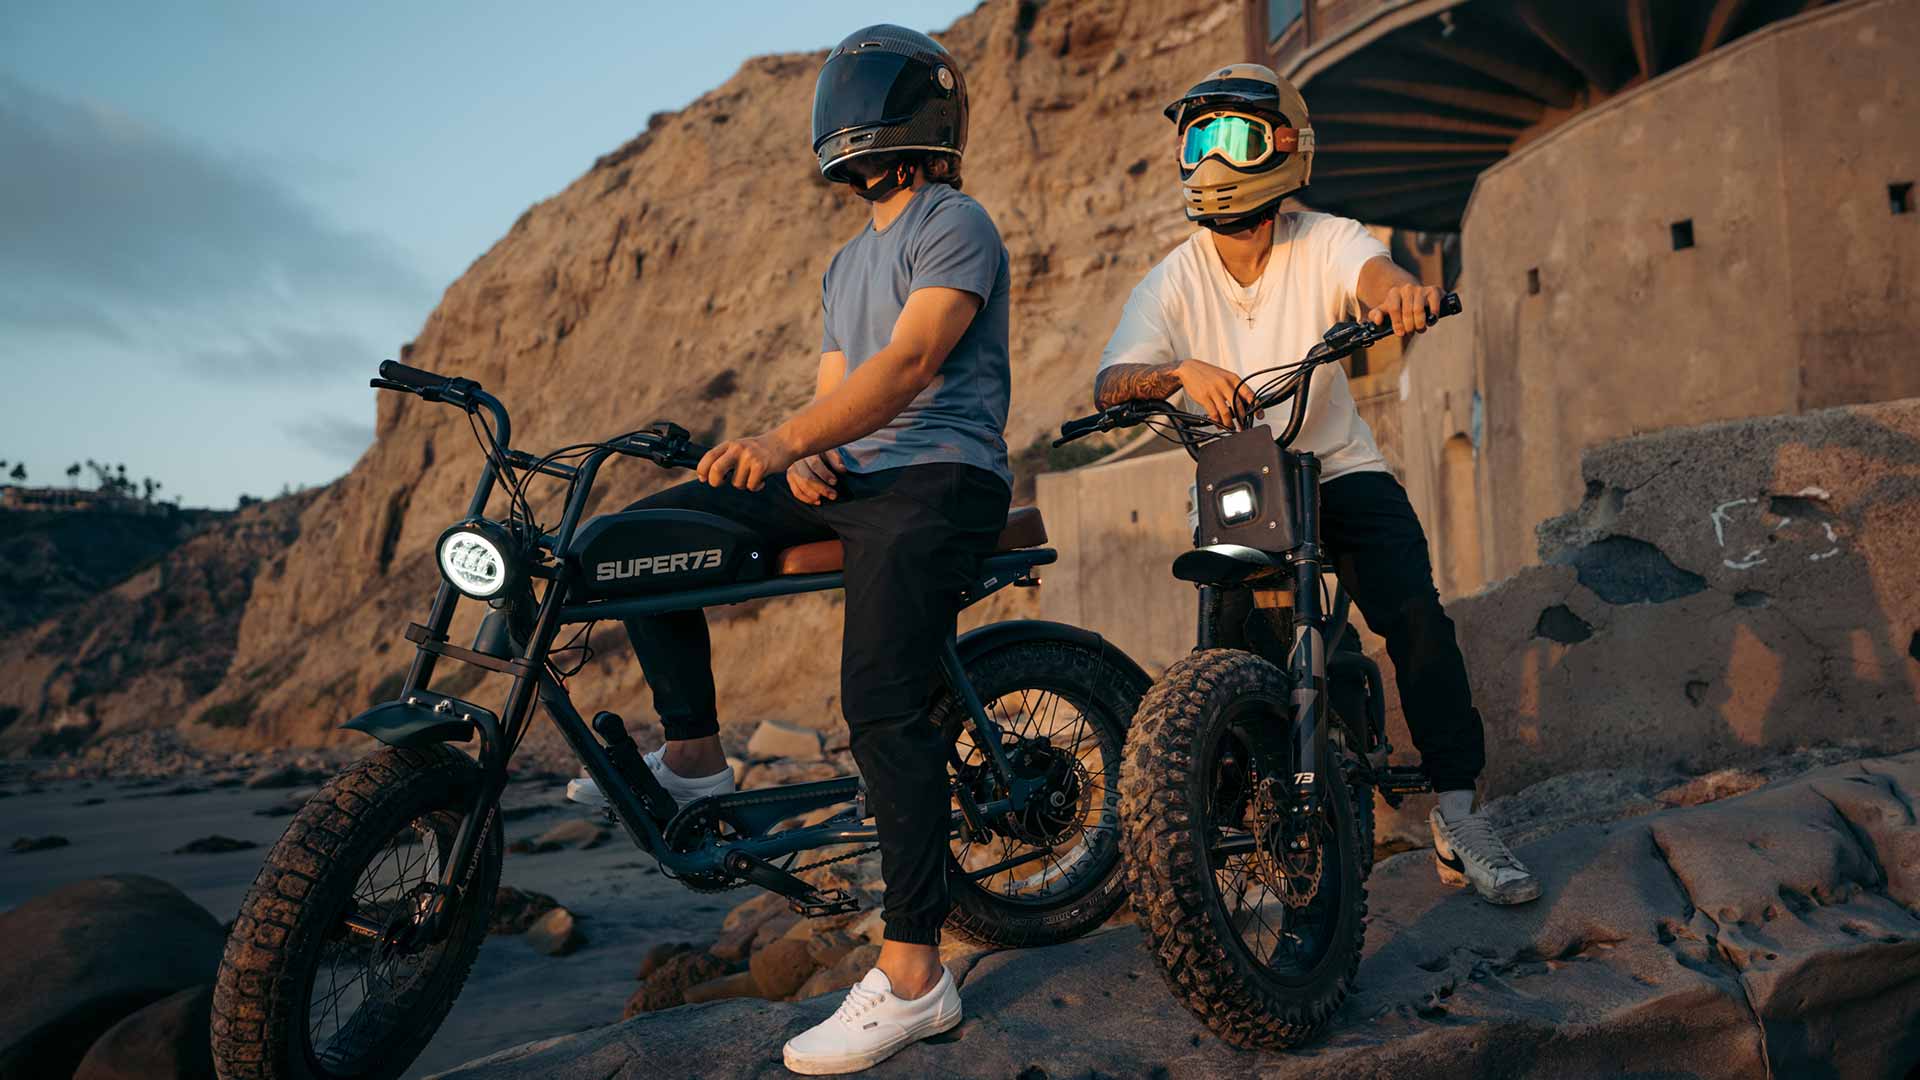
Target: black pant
<point>914,539</point>
<point>1376,545</point>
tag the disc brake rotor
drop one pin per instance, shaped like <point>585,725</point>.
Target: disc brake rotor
<point>1290,853</point>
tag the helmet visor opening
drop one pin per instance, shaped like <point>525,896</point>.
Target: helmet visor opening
<point>1238,139</point>
<point>865,89</point>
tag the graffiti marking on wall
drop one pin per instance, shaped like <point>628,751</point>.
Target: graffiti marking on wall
<point>1730,518</point>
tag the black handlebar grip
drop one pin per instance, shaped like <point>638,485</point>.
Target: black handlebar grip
<point>411,376</point>
<point>1073,429</point>
<point>1449,305</point>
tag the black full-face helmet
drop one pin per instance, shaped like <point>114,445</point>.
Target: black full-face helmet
<point>886,89</point>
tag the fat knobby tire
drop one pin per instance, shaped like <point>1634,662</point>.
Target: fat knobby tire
<point>259,1020</point>
<point>1111,693</point>
<point>1163,821</point>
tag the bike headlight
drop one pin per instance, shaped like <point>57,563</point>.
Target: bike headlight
<point>1237,504</point>
<point>476,557</point>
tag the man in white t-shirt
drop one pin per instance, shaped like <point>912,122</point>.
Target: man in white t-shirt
<point>1255,287</point>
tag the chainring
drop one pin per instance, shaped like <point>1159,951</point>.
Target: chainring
<point>685,834</point>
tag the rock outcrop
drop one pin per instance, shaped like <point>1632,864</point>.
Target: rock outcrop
<point>1722,593</point>
<point>145,652</point>
<point>1770,934</point>
<point>167,1040</point>
<point>84,957</point>
<point>50,560</point>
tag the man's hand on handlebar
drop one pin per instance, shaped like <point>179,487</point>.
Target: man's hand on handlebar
<point>815,478</point>
<point>1410,308</point>
<point>746,463</point>
<point>1214,389</point>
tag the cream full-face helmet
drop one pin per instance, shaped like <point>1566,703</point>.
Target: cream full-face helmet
<point>1244,143</point>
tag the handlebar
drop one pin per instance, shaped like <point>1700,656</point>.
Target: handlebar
<point>412,378</point>
<point>1340,341</point>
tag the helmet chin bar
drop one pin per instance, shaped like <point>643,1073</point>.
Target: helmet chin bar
<point>1234,226</point>
<point>894,179</point>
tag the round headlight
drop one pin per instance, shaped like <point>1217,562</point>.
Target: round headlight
<point>474,558</point>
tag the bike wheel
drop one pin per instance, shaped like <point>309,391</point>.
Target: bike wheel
<point>1054,873</point>
<point>1255,914</point>
<point>315,984</point>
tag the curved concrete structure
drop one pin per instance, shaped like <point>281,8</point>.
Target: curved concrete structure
<point>1413,99</point>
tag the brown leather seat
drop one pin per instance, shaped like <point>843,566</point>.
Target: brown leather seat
<point>1024,530</point>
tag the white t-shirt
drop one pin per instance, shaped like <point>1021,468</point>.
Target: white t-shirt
<point>1189,307</point>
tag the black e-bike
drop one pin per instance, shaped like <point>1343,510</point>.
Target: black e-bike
<point>360,929</point>
<point>1246,796</point>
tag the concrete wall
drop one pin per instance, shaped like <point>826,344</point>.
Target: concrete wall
<point>1118,528</point>
<point>1801,290</point>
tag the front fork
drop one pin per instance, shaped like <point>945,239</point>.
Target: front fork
<point>1307,661</point>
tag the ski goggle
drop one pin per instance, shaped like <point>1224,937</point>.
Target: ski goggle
<point>1240,140</point>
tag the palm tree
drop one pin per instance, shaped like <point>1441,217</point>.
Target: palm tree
<point>19,472</point>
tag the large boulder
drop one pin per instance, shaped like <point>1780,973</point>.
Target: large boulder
<point>1769,934</point>
<point>167,1040</point>
<point>80,959</point>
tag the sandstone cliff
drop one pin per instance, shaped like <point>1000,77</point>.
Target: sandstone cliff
<point>679,277</point>
<point>144,652</point>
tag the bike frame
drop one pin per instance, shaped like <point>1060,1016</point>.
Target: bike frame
<point>425,715</point>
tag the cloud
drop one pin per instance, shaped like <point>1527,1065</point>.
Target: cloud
<point>333,436</point>
<point>286,353</point>
<point>120,234</point>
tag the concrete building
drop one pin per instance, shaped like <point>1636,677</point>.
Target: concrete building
<point>1658,215</point>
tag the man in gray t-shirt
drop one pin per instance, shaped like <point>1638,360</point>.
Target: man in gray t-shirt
<point>943,239</point>
<point>902,456</point>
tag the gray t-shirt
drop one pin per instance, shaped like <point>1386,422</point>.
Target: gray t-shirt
<point>942,239</point>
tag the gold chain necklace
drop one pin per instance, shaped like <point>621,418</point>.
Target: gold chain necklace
<point>1234,289</point>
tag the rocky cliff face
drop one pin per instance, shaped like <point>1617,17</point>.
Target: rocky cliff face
<point>142,653</point>
<point>51,560</point>
<point>679,277</point>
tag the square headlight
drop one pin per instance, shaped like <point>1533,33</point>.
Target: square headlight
<point>1237,504</point>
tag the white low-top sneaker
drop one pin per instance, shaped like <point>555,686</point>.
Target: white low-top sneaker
<point>872,1025</point>
<point>1468,852</point>
<point>683,789</point>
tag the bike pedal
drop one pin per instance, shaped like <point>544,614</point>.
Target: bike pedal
<point>1400,781</point>
<point>825,904</point>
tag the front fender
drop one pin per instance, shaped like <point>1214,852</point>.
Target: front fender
<point>424,718</point>
<point>1226,564</point>
<point>984,639</point>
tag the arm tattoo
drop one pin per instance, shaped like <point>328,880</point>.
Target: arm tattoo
<point>1135,382</point>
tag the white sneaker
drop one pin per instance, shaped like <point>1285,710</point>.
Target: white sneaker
<point>1469,852</point>
<point>872,1025</point>
<point>684,790</point>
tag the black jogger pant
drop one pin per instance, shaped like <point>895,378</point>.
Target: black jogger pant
<point>914,538</point>
<point>1376,545</point>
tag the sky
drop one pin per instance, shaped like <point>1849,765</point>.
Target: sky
<point>216,218</point>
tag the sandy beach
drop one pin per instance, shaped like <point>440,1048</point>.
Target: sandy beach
<point>515,995</point>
